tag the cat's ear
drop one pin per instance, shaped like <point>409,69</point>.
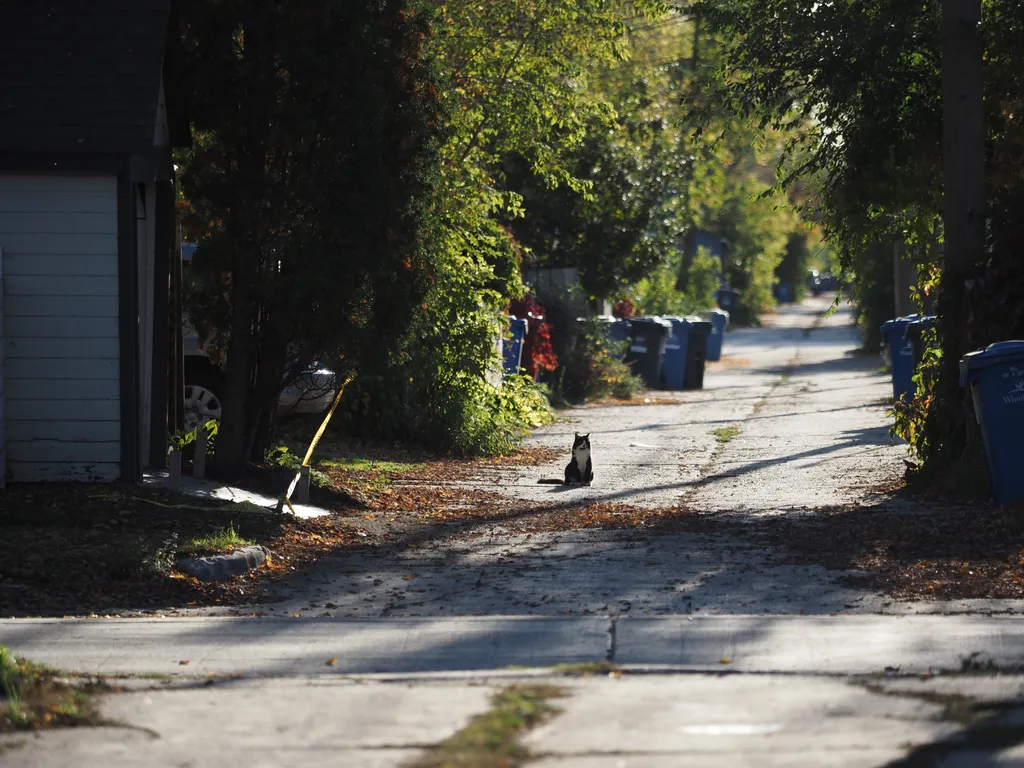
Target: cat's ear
<point>586,436</point>
<point>577,435</point>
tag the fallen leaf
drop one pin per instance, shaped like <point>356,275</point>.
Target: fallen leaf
<point>725,660</point>
<point>183,662</point>
<point>331,662</point>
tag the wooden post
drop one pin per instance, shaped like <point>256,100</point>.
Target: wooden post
<point>301,493</point>
<point>199,463</point>
<point>174,470</point>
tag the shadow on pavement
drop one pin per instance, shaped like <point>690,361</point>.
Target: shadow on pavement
<point>1000,727</point>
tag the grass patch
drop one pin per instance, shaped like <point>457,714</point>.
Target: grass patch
<point>492,739</point>
<point>372,474</point>
<point>588,668</point>
<point>353,464</point>
<point>725,434</point>
<point>33,696</point>
<point>221,540</point>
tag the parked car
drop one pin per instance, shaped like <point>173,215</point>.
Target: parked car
<point>311,393</point>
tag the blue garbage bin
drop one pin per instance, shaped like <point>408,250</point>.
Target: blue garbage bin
<point>512,349</point>
<point>995,377</point>
<point>673,365</point>
<point>648,337</point>
<point>902,354</point>
<point>696,352</point>
<point>727,297</point>
<point>914,334</point>
<point>719,322</point>
<point>784,293</point>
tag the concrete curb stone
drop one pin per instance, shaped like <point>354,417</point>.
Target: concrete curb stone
<point>226,566</point>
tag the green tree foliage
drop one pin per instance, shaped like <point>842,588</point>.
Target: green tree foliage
<point>657,294</point>
<point>796,259</point>
<point>876,292</point>
<point>510,84</point>
<point>755,232</point>
<point>651,181</point>
<point>860,84</point>
<point>308,190</point>
<point>855,88</point>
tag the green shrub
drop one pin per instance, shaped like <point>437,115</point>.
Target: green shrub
<point>282,458</point>
<point>594,369</point>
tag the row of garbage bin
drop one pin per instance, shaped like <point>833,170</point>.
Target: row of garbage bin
<point>670,352</point>
<point>666,352</point>
<point>994,376</point>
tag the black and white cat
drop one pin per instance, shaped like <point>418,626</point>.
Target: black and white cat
<point>580,468</point>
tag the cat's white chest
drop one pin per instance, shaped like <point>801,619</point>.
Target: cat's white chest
<point>582,456</point>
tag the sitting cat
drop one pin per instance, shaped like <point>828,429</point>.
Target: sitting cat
<point>580,468</point>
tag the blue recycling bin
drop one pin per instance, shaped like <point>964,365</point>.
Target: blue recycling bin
<point>914,334</point>
<point>512,349</point>
<point>727,297</point>
<point>995,377</point>
<point>902,354</point>
<point>673,364</point>
<point>696,352</point>
<point>648,337</point>
<point>719,322</point>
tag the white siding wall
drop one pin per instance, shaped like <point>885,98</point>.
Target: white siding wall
<point>3,343</point>
<point>59,240</point>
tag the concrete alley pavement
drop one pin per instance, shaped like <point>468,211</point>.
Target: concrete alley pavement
<point>707,646</point>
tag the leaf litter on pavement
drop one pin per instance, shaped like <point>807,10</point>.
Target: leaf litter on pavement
<point>74,549</point>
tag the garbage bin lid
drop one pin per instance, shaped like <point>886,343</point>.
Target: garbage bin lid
<point>651,320</point>
<point>926,320</point>
<point>1000,353</point>
<point>899,322</point>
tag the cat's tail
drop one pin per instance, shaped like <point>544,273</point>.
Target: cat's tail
<point>551,481</point>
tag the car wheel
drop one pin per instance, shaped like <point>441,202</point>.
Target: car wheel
<point>202,401</point>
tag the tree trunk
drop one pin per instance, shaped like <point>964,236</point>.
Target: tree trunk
<point>233,435</point>
<point>233,442</point>
<point>689,254</point>
<point>963,150</point>
<point>272,360</point>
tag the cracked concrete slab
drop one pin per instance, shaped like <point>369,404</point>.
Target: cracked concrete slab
<point>296,722</point>
<point>756,644</point>
<point>793,720</point>
<point>734,720</point>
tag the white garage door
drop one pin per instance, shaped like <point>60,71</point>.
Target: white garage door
<point>59,241</point>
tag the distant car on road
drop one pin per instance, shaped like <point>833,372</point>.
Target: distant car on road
<point>818,283</point>
<point>311,393</point>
